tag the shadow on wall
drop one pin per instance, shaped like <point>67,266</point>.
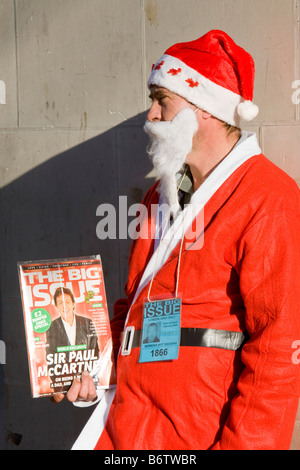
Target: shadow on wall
<point>50,212</point>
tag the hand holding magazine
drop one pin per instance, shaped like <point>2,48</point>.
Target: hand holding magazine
<point>66,323</point>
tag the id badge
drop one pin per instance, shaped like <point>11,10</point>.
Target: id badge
<point>161,330</point>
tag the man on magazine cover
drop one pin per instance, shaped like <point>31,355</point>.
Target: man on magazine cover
<point>70,329</point>
<point>234,384</point>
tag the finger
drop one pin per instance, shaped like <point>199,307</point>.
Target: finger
<point>58,397</point>
<point>73,392</point>
<point>88,389</point>
<point>85,386</point>
<point>92,390</point>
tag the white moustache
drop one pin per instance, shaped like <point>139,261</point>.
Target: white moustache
<point>184,123</point>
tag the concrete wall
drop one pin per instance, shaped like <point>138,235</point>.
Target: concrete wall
<point>71,138</point>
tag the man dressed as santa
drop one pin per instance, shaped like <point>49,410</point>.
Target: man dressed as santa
<point>225,297</point>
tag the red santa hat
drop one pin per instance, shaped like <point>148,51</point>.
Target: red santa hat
<point>211,72</point>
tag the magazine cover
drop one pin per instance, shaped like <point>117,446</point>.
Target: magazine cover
<point>66,323</point>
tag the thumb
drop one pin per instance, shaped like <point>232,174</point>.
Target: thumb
<point>58,397</point>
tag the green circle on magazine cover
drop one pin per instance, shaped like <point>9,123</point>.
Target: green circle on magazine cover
<point>41,320</point>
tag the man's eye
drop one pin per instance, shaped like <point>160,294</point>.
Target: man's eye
<point>162,99</point>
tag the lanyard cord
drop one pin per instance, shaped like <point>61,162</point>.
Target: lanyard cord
<point>178,266</point>
<point>180,251</point>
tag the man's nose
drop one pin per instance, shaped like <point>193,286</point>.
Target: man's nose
<point>154,112</point>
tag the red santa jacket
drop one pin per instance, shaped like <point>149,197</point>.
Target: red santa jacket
<point>245,278</point>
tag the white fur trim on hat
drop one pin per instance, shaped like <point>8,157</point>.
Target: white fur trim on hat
<point>173,74</point>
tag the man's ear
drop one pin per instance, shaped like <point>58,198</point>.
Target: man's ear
<point>205,114</point>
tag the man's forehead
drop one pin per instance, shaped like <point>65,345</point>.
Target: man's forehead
<point>156,90</point>
<point>63,297</point>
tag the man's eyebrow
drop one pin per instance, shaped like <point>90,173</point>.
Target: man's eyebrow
<point>157,94</point>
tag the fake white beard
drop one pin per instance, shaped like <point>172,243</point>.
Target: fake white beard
<point>170,143</point>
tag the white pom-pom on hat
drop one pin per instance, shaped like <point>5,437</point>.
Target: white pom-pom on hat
<point>247,110</point>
